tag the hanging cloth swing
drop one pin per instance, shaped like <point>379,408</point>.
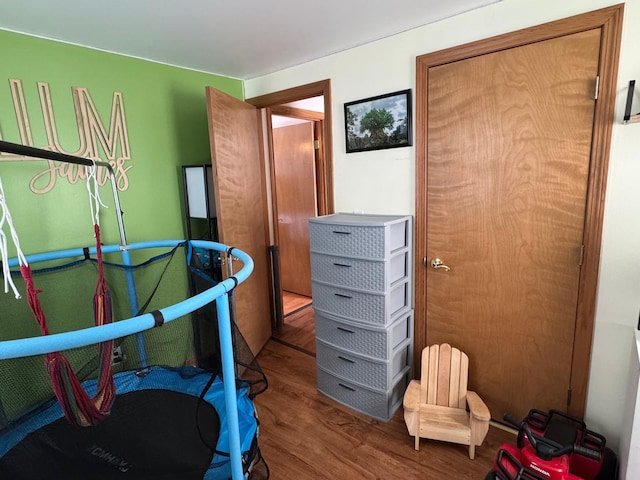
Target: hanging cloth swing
<point>77,406</point>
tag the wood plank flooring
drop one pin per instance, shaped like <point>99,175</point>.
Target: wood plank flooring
<point>299,330</point>
<point>306,435</point>
<point>292,302</point>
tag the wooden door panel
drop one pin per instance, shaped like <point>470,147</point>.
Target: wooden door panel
<point>239,190</point>
<point>509,145</point>
<point>295,187</point>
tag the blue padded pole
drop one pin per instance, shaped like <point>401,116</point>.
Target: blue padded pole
<point>55,342</point>
<point>229,383</point>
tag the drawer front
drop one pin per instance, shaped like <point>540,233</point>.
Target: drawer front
<point>353,241</point>
<point>375,276</point>
<point>372,342</point>
<point>376,374</point>
<point>365,307</point>
<point>377,404</point>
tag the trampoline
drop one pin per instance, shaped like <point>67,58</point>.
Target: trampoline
<point>184,380</point>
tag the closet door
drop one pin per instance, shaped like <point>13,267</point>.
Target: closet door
<point>295,195</point>
<point>506,214</point>
<point>511,157</point>
<point>238,174</point>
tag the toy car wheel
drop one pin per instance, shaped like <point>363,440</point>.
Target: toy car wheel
<point>609,469</point>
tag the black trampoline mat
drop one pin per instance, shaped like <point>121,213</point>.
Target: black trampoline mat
<point>150,434</point>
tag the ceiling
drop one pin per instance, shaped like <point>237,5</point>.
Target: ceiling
<point>242,39</point>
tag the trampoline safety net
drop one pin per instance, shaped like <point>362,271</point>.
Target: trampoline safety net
<point>168,420</point>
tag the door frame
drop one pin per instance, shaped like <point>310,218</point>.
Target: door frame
<point>325,168</point>
<point>277,206</point>
<point>324,161</point>
<point>609,20</point>
<point>317,119</point>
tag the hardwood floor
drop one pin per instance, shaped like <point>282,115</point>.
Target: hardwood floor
<point>298,330</point>
<point>292,302</point>
<point>306,435</point>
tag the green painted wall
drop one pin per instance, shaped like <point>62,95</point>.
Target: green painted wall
<point>166,122</point>
<point>166,125</point>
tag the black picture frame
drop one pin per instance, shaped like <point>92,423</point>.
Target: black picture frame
<point>388,117</point>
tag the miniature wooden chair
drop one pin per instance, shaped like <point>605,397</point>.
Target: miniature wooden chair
<point>435,406</point>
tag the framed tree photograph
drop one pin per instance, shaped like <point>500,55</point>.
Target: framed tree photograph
<point>378,122</point>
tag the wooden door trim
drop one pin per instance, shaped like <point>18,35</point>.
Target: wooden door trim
<point>299,113</point>
<point>609,20</point>
<point>295,198</point>
<point>325,170</point>
<point>320,160</point>
<point>272,178</point>
<point>295,113</point>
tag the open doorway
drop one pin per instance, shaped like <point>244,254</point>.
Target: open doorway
<point>294,197</point>
<point>298,124</point>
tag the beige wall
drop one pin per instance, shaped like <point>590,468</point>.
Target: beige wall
<point>383,181</point>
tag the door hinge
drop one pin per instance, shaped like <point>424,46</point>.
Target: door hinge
<point>581,255</point>
<point>316,144</point>
<point>595,97</point>
<point>569,397</point>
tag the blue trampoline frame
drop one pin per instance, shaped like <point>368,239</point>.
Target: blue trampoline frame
<point>137,324</point>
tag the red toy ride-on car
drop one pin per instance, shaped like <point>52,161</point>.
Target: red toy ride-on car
<point>554,446</point>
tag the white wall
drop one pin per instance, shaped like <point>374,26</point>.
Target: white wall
<point>383,181</point>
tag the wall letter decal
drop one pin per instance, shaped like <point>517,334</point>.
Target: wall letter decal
<point>93,137</point>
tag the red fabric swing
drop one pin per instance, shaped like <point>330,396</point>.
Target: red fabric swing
<point>77,406</point>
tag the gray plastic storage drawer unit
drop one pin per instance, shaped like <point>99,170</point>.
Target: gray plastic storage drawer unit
<point>378,404</point>
<point>361,236</point>
<point>368,340</point>
<point>351,272</point>
<point>361,306</point>
<point>361,278</point>
<point>372,372</point>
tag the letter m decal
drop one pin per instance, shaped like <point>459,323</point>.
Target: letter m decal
<point>95,131</point>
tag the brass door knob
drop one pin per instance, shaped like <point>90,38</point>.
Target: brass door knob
<point>436,263</point>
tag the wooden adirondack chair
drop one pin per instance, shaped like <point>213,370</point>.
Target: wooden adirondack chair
<point>436,406</point>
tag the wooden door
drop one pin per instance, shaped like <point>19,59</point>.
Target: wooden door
<point>277,101</point>
<point>295,203</point>
<point>509,191</point>
<point>238,174</point>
